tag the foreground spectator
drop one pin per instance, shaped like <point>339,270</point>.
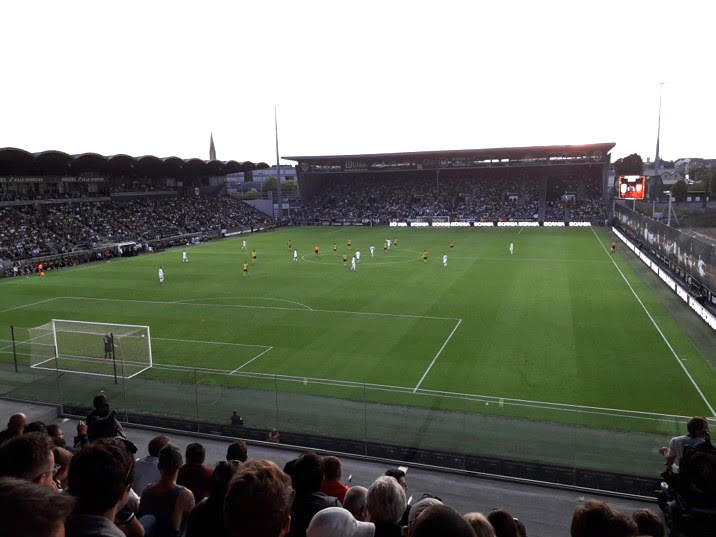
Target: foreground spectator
<point>332,485</point>
<point>63,457</point>
<point>102,422</point>
<point>194,475</point>
<point>258,503</point>
<point>400,476</point>
<point>419,507</point>
<point>697,429</point>
<point>29,457</point>
<point>648,523</point>
<point>55,432</point>
<point>480,525</point>
<point>207,518</point>
<point>237,451</point>
<point>27,510</point>
<point>503,523</point>
<point>386,504</point>
<point>440,521</point>
<point>100,479</point>
<point>15,427</point>
<point>166,506</point>
<point>36,427</point>
<point>307,479</point>
<point>338,522</point>
<point>596,519</point>
<point>356,501</point>
<point>146,471</point>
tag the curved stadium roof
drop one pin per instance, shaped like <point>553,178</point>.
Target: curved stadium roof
<point>14,161</point>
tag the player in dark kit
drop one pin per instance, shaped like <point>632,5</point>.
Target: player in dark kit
<point>315,250</point>
<point>107,347</point>
<point>614,246</point>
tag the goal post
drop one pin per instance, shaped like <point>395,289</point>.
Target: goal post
<point>91,348</point>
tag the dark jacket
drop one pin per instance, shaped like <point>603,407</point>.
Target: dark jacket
<point>304,507</point>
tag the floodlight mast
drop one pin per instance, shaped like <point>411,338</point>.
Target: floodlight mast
<point>658,133</point>
<point>278,168</point>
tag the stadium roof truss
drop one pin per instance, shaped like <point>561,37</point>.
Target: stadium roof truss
<point>15,161</point>
<point>548,155</point>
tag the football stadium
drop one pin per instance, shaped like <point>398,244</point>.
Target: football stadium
<point>451,304</point>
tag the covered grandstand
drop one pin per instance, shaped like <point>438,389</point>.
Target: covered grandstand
<point>560,182</point>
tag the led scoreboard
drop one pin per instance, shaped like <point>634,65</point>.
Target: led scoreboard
<point>632,187</point>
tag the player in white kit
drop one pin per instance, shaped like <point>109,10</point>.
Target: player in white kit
<point>353,263</point>
<point>184,257</point>
<point>388,241</point>
<point>445,260</point>
<point>512,248</point>
<point>372,250</point>
<point>243,244</point>
<point>357,256</point>
<point>295,256</point>
<point>160,272</point>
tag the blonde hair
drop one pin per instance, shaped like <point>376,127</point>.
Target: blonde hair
<point>480,525</point>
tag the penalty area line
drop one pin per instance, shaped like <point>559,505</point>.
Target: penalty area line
<point>417,386</point>
<point>658,329</point>
<point>259,355</point>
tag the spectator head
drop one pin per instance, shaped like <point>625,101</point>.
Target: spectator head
<point>17,423</point>
<point>62,463</point>
<point>55,432</point>
<point>170,460</point>
<point>100,477</point>
<point>220,478</point>
<point>503,523</point>
<point>100,402</point>
<point>36,427</point>
<point>31,511</point>
<point>419,507</point>
<point>590,519</point>
<point>440,521</point>
<point>356,501</point>
<point>399,475</point>
<point>648,523</point>
<point>338,522</point>
<point>308,473</point>
<point>697,426</point>
<point>29,457</point>
<point>237,451</point>
<point>156,444</point>
<point>480,525</point>
<point>195,453</point>
<point>386,500</point>
<point>332,469</point>
<point>258,502</point>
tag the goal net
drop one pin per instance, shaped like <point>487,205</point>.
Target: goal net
<point>103,349</point>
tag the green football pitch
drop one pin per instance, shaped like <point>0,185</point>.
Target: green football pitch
<point>558,332</point>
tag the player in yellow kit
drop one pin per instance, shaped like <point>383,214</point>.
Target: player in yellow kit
<point>345,260</point>
<point>246,268</point>
<point>452,243</point>
<point>425,256</point>
<point>253,256</point>
<point>335,247</point>
<point>348,243</point>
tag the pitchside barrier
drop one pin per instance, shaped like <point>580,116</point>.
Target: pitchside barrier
<point>521,223</point>
<point>695,257</point>
<point>682,293</point>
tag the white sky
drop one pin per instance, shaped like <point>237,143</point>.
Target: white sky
<point>155,77</point>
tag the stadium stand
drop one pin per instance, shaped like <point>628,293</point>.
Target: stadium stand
<point>100,483</point>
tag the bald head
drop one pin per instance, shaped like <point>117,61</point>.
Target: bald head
<point>17,423</point>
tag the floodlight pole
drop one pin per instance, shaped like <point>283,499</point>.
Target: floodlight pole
<point>278,168</point>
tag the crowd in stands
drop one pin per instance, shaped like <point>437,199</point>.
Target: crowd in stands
<point>95,487</point>
<point>464,198</point>
<point>33,231</point>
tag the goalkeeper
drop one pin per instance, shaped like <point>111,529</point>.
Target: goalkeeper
<point>108,347</point>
